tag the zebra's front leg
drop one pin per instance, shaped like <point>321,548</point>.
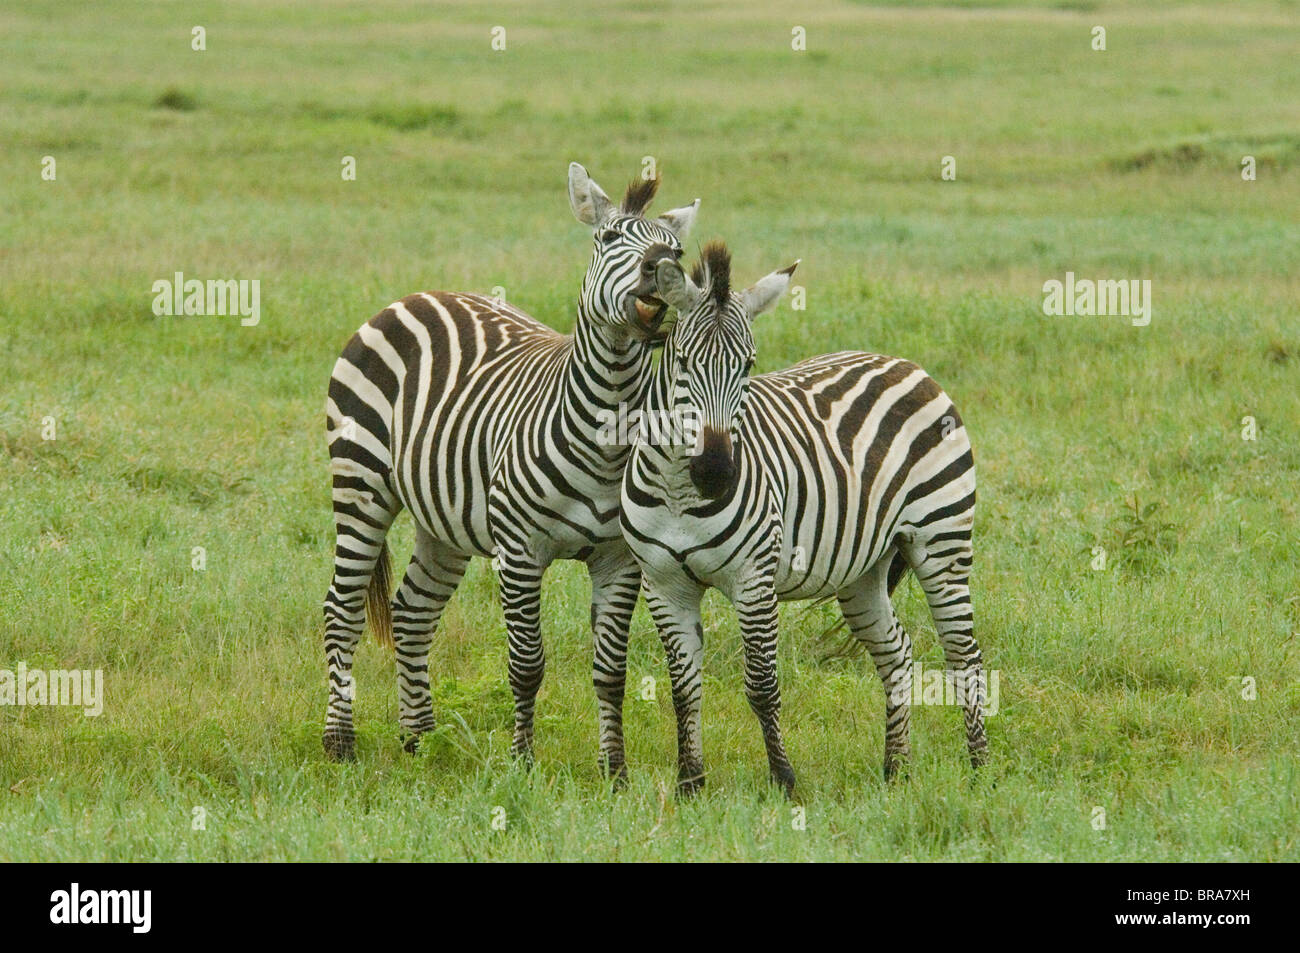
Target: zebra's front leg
<point>431,577</point>
<point>615,585</point>
<point>521,601</point>
<point>682,632</point>
<point>758,627</point>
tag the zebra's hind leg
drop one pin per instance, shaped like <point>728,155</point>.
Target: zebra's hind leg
<point>431,577</point>
<point>521,602</point>
<point>615,585</point>
<point>871,618</point>
<point>363,512</point>
<point>941,560</point>
<point>681,631</point>
<point>758,628</point>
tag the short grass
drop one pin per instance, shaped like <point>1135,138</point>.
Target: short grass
<point>1121,689</point>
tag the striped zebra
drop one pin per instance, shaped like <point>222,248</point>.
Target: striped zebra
<point>483,423</point>
<point>828,479</point>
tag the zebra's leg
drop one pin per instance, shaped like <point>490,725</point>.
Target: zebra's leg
<point>521,602</point>
<point>615,585</point>
<point>682,632</point>
<point>942,563</point>
<point>431,577</point>
<point>758,627</point>
<point>871,618</point>
<point>363,512</point>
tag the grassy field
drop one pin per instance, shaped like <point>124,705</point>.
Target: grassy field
<point>1121,688</point>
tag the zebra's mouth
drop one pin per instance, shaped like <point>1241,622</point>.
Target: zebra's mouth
<point>648,312</point>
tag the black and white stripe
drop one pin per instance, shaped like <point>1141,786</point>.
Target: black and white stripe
<point>826,479</point>
<point>485,424</point>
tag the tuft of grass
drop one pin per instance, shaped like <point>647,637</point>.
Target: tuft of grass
<point>176,99</point>
<point>1279,151</point>
<point>412,116</point>
<point>1142,538</point>
<point>1279,352</point>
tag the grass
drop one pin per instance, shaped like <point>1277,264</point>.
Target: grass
<point>1121,687</point>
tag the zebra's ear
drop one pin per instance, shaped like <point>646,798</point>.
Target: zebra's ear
<point>588,200</point>
<point>679,220</point>
<point>765,292</point>
<point>674,287</point>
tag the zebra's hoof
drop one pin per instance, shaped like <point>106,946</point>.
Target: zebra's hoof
<point>784,779</point>
<point>895,769</point>
<point>411,742</point>
<point>616,773</point>
<point>689,786</point>
<point>339,746</point>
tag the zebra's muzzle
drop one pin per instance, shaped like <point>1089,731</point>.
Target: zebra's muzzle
<point>713,470</point>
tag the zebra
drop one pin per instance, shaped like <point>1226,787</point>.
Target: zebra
<point>826,480</point>
<point>483,423</point>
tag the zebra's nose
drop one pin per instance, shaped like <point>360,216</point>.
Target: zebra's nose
<point>713,469</point>
<point>653,255</point>
<point>647,308</point>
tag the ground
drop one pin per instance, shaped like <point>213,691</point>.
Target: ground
<point>1135,577</point>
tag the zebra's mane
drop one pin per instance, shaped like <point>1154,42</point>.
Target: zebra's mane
<point>639,194</point>
<point>713,272</point>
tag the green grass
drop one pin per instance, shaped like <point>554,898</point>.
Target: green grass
<point>1120,689</point>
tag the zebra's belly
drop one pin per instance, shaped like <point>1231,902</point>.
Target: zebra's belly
<point>448,503</point>
<point>808,573</point>
<point>550,527</point>
<point>792,585</point>
<point>552,518</point>
<point>793,590</point>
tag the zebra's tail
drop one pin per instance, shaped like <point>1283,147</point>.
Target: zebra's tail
<point>378,610</point>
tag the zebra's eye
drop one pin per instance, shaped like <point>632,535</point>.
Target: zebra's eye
<point>749,366</point>
<point>610,235</point>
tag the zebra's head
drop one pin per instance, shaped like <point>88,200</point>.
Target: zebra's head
<point>709,354</point>
<point>619,290</point>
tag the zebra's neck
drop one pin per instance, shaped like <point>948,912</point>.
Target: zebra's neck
<point>608,372</point>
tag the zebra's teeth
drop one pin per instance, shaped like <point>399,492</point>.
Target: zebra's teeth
<point>647,309</point>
